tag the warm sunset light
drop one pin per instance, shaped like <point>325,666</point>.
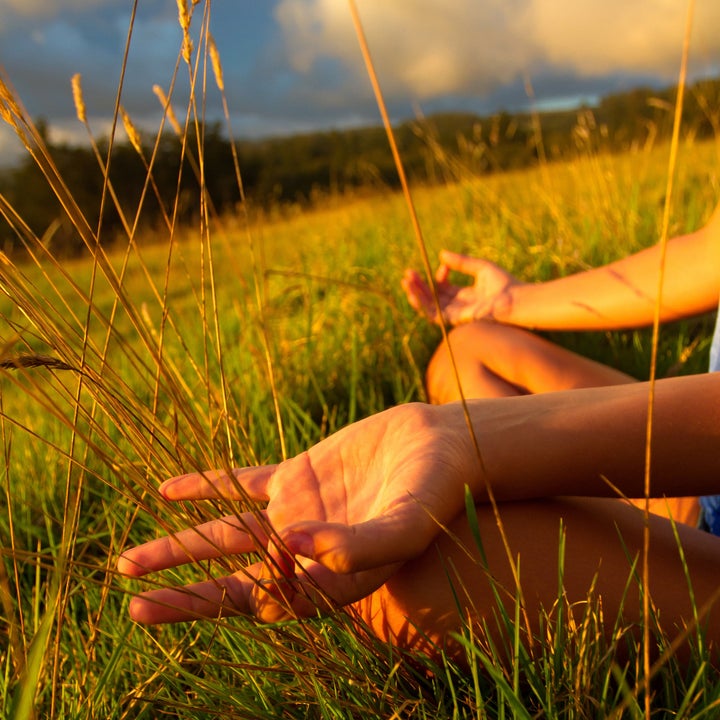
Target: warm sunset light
<point>294,64</point>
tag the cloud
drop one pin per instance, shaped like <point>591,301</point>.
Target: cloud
<point>427,48</point>
<point>40,63</point>
<point>293,65</point>
<point>642,36</point>
<point>420,46</point>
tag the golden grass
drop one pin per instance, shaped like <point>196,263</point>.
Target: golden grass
<point>243,340</point>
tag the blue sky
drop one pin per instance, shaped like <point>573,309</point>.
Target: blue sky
<point>293,65</point>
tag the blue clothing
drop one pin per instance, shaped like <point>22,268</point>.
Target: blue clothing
<point>710,505</point>
<point>715,348</point>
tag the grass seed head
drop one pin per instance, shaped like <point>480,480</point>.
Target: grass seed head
<point>168,108</point>
<point>131,131</point>
<point>184,20</point>
<point>5,113</point>
<point>216,65</point>
<point>8,102</point>
<point>78,98</point>
<point>187,48</point>
<point>183,15</point>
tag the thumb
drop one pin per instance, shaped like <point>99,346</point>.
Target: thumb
<point>364,546</point>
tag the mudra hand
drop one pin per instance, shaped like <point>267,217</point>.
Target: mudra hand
<point>487,298</point>
<point>339,520</point>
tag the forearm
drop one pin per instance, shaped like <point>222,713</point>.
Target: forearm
<point>624,294</point>
<point>582,441</point>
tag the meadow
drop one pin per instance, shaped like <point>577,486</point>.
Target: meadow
<point>244,339</point>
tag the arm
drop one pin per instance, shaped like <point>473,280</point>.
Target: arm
<point>376,493</point>
<point>567,443</point>
<point>621,294</point>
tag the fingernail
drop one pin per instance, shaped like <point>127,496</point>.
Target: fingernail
<point>277,590</point>
<point>166,488</point>
<point>300,544</point>
<point>125,565</point>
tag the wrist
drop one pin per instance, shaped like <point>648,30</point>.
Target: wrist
<point>508,309</point>
<point>465,428</point>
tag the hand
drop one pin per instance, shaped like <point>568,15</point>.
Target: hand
<point>340,519</point>
<point>488,297</point>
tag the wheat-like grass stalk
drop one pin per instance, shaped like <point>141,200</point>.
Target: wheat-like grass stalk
<point>168,109</point>
<point>147,408</point>
<point>78,98</point>
<point>216,64</point>
<point>431,282</point>
<point>184,20</point>
<point>664,235</point>
<point>131,131</point>
<point>257,270</point>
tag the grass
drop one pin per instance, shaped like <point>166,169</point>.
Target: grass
<point>240,342</point>
<point>343,344</point>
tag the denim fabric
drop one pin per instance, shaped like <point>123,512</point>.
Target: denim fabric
<point>710,513</point>
<point>715,347</point>
<point>710,505</point>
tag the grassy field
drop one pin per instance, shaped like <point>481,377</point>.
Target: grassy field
<point>235,343</point>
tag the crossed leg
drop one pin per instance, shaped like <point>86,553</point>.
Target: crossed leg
<point>495,360</point>
<point>430,597</point>
<point>418,607</point>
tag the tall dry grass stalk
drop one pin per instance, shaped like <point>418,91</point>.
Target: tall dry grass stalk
<point>430,277</point>
<point>136,400</point>
<point>664,235</point>
<point>643,685</point>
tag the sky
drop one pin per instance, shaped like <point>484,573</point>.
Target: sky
<point>295,65</point>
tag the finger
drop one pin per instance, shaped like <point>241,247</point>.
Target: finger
<point>412,283</point>
<point>238,484</point>
<point>315,589</point>
<point>365,546</point>
<point>418,295</point>
<point>215,598</point>
<point>226,536</point>
<point>442,273</point>
<point>461,263</point>
<point>408,285</point>
<point>241,593</point>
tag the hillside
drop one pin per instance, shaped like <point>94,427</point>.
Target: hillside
<point>301,168</point>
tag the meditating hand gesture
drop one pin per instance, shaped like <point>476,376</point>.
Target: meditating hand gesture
<point>488,297</point>
<point>339,520</point>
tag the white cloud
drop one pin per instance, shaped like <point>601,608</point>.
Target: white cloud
<point>621,35</point>
<point>430,47</point>
<point>422,46</point>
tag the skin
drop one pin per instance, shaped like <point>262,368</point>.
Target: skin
<point>496,355</point>
<point>372,495</point>
<point>621,294</point>
<point>371,517</point>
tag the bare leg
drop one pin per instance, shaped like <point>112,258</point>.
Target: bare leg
<point>603,537</point>
<point>499,360</point>
<point>496,360</point>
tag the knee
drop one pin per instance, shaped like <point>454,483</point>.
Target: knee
<point>467,343</point>
<point>439,371</point>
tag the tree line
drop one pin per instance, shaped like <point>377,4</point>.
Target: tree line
<point>299,168</point>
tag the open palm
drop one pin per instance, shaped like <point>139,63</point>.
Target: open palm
<point>339,520</point>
